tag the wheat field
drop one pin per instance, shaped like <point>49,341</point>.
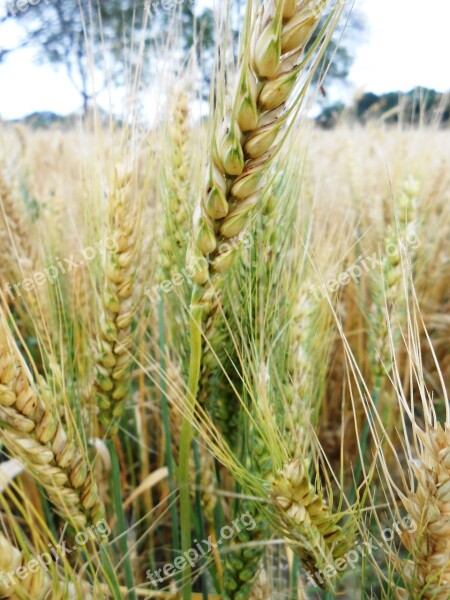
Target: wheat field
<point>224,344</point>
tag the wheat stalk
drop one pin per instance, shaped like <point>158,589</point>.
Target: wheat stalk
<point>33,433</point>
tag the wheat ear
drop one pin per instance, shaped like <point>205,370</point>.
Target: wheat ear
<point>307,521</point>
<point>242,148</point>
<point>17,225</point>
<point>21,258</point>
<point>33,433</point>
<point>176,193</point>
<point>428,539</point>
<point>390,280</point>
<point>119,303</point>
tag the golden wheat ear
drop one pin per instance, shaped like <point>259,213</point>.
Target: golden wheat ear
<point>33,433</point>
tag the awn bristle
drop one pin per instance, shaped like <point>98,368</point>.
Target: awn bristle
<point>33,433</point>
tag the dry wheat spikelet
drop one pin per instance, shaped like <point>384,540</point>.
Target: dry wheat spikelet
<point>306,520</point>
<point>33,433</point>
<point>119,304</point>
<point>242,148</point>
<point>37,585</point>
<point>427,573</point>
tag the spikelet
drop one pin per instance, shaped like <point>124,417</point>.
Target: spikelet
<point>307,521</point>
<point>119,303</point>
<point>427,573</point>
<point>249,136</point>
<point>242,564</point>
<point>33,433</point>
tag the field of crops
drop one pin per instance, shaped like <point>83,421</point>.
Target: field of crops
<point>224,346</point>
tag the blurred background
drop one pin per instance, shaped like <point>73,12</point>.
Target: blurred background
<point>385,52</point>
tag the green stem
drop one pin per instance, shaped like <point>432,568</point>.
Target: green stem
<point>200,517</point>
<point>186,438</point>
<point>167,432</point>
<point>122,529</point>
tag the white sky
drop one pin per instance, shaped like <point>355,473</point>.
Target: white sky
<point>407,44</point>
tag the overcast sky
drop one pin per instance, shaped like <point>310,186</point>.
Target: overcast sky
<point>407,44</point>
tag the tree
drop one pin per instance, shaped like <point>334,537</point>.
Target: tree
<point>58,29</point>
